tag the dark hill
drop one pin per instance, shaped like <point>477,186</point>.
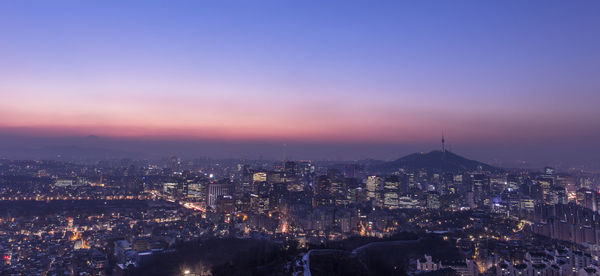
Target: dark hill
<point>435,161</point>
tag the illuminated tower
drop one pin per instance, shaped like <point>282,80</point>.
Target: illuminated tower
<point>70,223</point>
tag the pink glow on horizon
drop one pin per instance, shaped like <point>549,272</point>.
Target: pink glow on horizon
<point>307,112</point>
<point>322,126</point>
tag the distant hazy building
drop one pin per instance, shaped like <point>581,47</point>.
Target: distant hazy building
<point>527,204</point>
<point>405,202</point>
<point>63,183</point>
<point>225,204</point>
<point>433,200</point>
<point>170,188</point>
<point>259,177</point>
<point>323,185</point>
<point>586,198</point>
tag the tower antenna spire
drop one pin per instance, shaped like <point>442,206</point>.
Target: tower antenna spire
<point>443,142</point>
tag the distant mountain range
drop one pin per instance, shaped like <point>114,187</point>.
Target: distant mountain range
<point>441,161</point>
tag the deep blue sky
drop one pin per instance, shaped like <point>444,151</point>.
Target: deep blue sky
<point>515,79</point>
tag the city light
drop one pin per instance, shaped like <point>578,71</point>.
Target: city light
<point>300,138</point>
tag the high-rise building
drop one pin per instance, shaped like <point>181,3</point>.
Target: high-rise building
<point>390,192</point>
<point>196,191</point>
<point>586,198</point>
<point>323,185</point>
<point>225,204</point>
<point>291,169</point>
<point>546,183</point>
<point>374,186</point>
<point>214,191</point>
<point>170,188</point>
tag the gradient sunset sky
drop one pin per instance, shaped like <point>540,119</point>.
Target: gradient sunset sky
<point>515,76</point>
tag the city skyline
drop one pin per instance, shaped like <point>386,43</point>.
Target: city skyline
<point>455,138</point>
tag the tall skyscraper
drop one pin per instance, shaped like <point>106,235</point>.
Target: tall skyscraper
<point>390,192</point>
<point>374,185</point>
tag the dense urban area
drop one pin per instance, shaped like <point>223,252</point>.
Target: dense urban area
<point>433,213</point>
<point>300,138</point>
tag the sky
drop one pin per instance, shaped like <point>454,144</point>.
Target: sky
<point>509,80</point>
